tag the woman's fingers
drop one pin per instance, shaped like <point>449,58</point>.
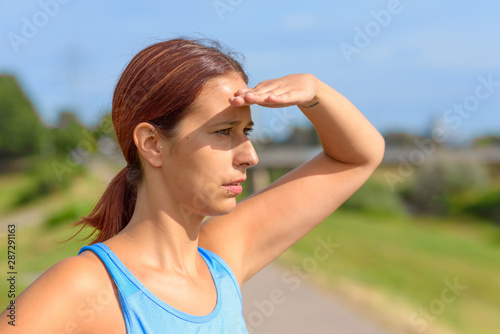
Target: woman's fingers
<point>255,98</point>
<point>275,97</point>
<point>242,91</point>
<point>289,90</point>
<point>238,101</point>
<point>261,88</point>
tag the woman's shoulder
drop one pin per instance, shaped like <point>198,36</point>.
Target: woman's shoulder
<point>83,272</point>
<point>85,269</point>
<point>73,293</point>
<point>75,275</point>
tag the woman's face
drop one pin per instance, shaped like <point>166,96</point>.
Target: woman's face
<point>209,158</point>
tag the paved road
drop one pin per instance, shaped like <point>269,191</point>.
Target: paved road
<point>274,302</point>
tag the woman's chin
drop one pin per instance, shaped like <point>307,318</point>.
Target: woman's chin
<point>223,208</point>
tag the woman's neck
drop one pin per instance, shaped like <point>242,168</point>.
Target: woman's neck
<point>163,231</point>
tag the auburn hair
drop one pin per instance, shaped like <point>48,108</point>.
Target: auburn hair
<point>157,87</point>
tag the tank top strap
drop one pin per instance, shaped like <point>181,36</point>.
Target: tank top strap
<point>214,261</point>
<point>115,267</point>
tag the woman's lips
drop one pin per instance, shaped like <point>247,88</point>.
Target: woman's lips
<point>234,188</point>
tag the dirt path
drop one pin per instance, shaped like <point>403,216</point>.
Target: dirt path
<point>26,217</point>
<point>35,213</point>
<point>274,303</point>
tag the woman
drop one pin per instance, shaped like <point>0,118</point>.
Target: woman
<point>181,112</point>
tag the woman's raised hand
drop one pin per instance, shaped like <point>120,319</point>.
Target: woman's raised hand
<point>294,89</point>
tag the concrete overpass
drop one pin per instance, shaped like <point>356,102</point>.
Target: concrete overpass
<point>289,157</point>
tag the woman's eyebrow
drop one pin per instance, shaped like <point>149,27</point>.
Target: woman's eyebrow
<point>232,123</point>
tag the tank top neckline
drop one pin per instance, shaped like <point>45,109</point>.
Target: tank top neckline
<point>163,304</point>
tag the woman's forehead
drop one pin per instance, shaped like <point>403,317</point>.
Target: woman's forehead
<point>212,105</point>
<point>223,86</point>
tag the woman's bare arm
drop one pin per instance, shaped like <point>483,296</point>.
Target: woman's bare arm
<point>73,296</point>
<point>267,223</point>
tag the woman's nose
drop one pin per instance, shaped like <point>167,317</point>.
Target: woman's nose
<point>246,155</point>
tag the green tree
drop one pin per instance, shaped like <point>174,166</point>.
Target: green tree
<point>70,133</point>
<point>443,184</point>
<point>20,125</point>
<point>105,127</point>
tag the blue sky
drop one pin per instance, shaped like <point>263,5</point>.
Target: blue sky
<point>413,61</point>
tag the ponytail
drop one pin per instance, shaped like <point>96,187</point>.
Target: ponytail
<point>114,210</point>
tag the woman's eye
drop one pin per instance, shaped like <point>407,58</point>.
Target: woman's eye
<point>224,132</point>
<point>247,131</point>
<point>227,132</point>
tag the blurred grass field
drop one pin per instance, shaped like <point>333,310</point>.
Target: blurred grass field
<point>391,268</point>
<point>388,266</point>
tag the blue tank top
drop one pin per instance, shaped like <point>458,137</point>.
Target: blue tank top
<point>146,313</point>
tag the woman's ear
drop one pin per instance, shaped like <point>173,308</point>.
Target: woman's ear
<point>148,142</point>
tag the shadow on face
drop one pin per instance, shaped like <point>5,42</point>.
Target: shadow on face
<point>212,121</point>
